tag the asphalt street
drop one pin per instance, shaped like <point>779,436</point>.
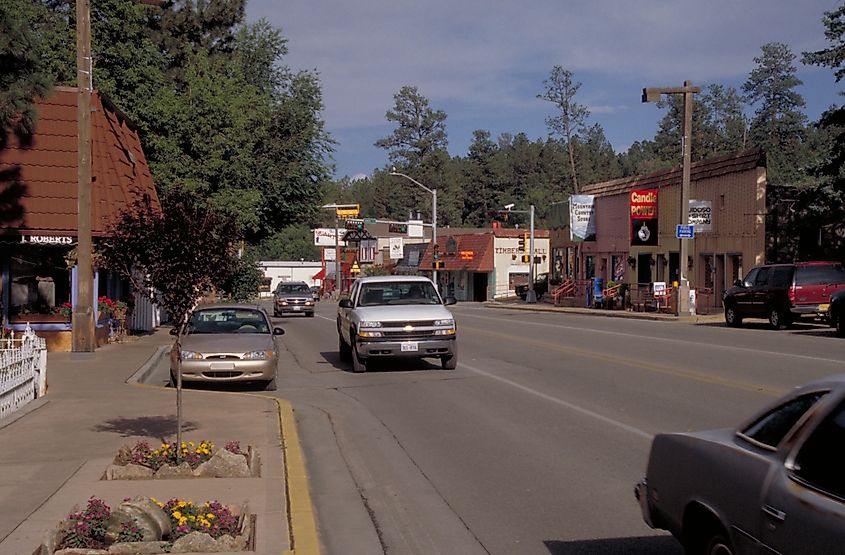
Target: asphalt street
<point>534,443</point>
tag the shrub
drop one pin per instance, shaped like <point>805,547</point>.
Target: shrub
<point>210,517</point>
<point>87,529</point>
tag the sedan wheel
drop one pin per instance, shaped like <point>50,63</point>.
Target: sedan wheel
<point>270,385</point>
<point>719,546</point>
<point>732,317</point>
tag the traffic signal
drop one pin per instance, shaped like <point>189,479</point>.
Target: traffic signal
<point>436,263</point>
<point>521,247</point>
<point>526,259</point>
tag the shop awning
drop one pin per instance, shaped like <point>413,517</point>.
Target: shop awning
<point>320,275</point>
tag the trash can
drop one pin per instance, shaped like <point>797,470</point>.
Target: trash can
<point>598,291</point>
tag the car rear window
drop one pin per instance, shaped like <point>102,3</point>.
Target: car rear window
<point>782,276</point>
<point>772,427</point>
<point>821,274</point>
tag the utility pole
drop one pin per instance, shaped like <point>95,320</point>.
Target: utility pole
<point>82,334</point>
<point>531,297</point>
<point>653,95</point>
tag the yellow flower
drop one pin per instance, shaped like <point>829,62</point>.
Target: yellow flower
<point>210,516</point>
<point>177,515</point>
<point>181,504</point>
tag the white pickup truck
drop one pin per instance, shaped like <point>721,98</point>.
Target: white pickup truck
<point>396,316</point>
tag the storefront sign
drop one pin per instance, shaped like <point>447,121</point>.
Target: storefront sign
<point>701,215</point>
<point>46,240</point>
<point>582,217</point>
<point>467,255</point>
<point>643,217</point>
<point>325,237</point>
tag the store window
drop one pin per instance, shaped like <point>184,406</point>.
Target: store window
<point>39,280</point>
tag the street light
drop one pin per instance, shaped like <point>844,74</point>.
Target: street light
<point>337,207</point>
<point>531,296</point>
<point>433,214</point>
<point>652,94</point>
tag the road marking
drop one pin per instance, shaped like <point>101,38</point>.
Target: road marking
<point>652,338</point>
<point>653,367</point>
<point>561,402</point>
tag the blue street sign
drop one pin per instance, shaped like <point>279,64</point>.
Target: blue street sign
<point>684,232</point>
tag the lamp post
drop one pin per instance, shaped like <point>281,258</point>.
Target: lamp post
<point>433,214</point>
<point>338,208</point>
<point>652,94</point>
<point>531,296</point>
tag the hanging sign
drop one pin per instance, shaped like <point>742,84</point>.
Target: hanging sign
<point>396,248</point>
<point>643,218</point>
<point>582,218</point>
<point>701,215</point>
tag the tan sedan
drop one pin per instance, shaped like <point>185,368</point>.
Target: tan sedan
<point>227,343</point>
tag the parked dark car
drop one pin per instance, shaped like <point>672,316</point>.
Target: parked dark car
<point>783,292</point>
<point>774,485</point>
<point>541,287</point>
<point>836,312</point>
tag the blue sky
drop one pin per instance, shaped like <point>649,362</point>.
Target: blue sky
<point>484,61</point>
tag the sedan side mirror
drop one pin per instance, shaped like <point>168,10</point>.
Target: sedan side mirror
<point>450,301</point>
<point>739,283</point>
<point>278,331</point>
<point>345,303</point>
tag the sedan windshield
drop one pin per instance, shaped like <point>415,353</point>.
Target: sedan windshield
<point>393,293</point>
<point>228,320</point>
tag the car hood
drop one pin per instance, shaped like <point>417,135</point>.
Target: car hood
<point>396,313</point>
<point>228,342</point>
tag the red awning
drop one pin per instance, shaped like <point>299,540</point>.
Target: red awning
<point>320,275</point>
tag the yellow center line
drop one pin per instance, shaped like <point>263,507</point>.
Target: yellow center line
<point>622,361</point>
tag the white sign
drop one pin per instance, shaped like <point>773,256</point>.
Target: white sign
<point>329,254</point>
<point>46,240</point>
<point>396,248</point>
<point>701,215</point>
<point>582,218</point>
<point>659,289</point>
<point>415,228</point>
<point>325,237</point>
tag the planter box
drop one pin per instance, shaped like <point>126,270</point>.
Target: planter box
<point>222,464</point>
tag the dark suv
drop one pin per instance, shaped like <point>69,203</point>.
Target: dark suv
<point>783,292</point>
<point>541,287</point>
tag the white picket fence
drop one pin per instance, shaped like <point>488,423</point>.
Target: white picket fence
<point>23,371</point>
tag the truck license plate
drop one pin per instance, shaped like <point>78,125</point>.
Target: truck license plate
<point>410,347</point>
<point>824,307</point>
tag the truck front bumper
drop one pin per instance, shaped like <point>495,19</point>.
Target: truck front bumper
<point>410,349</point>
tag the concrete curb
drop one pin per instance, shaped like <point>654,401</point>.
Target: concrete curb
<point>32,406</point>
<point>148,367</point>
<point>304,539</point>
<point>607,313</point>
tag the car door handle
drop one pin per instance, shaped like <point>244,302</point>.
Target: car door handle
<point>776,514</point>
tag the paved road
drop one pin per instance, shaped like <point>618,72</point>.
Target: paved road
<point>534,443</point>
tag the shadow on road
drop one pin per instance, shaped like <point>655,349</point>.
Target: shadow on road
<point>157,427</point>
<point>382,365</point>
<point>647,545</point>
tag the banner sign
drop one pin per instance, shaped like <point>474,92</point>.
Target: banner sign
<point>643,218</point>
<point>701,215</point>
<point>582,218</point>
<point>325,237</point>
<point>396,248</point>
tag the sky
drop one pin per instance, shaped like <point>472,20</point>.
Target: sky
<point>483,62</point>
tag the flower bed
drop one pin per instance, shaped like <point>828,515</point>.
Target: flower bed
<point>145,525</point>
<point>187,460</point>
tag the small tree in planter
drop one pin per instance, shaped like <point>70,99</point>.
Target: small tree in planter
<point>172,256</point>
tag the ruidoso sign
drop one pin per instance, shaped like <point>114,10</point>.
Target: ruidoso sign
<point>325,237</point>
<point>643,218</point>
<point>701,215</point>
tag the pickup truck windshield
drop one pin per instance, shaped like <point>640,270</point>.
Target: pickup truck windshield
<point>396,293</point>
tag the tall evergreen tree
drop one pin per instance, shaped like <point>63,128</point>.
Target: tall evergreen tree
<point>420,130</point>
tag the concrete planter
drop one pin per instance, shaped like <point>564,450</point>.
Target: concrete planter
<point>223,464</point>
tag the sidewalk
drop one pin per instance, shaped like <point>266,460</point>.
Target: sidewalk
<point>655,316</point>
<point>52,457</point>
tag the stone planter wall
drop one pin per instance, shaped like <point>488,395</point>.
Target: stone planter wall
<point>156,527</point>
<point>223,464</point>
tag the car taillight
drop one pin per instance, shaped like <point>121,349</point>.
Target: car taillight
<point>792,294</point>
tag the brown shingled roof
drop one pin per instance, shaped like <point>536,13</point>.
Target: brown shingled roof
<point>481,244</point>
<point>38,180</point>
<point>711,167</point>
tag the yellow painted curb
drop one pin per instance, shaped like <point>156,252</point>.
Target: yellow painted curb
<point>303,524</point>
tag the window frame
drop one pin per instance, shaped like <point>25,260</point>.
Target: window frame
<point>793,470</point>
<point>743,434</point>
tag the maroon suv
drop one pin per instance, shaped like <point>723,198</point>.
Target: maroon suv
<point>783,292</point>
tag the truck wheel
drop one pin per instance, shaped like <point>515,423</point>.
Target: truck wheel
<point>359,364</point>
<point>732,316</point>
<point>719,545</point>
<point>449,362</point>
<point>343,349</point>
<point>777,319</point>
<point>840,327</point>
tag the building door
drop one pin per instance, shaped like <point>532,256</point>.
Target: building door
<point>479,287</point>
<point>674,268</point>
<point>644,267</point>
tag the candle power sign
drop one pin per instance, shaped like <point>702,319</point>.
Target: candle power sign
<point>643,218</point>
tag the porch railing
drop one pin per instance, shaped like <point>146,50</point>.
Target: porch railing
<point>23,371</point>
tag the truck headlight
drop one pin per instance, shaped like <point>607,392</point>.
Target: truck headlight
<point>448,322</point>
<point>450,331</point>
<point>365,333</point>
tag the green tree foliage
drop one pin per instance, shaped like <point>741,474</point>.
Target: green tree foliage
<point>290,243</point>
<point>23,76</point>
<point>779,124</point>
<point>570,122</point>
<point>243,279</point>
<point>420,130</point>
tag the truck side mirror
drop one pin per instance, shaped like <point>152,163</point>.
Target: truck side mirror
<point>449,301</point>
<point>739,283</point>
<point>345,303</point>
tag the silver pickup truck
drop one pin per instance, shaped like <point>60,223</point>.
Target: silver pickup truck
<point>396,316</point>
